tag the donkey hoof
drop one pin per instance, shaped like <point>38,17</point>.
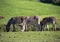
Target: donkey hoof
<point>22,30</point>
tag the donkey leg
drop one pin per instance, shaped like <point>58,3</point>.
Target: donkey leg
<point>54,27</point>
<point>41,28</point>
<point>47,27</point>
<point>38,28</point>
<point>44,27</point>
<point>14,28</point>
<point>23,28</point>
<point>26,27</point>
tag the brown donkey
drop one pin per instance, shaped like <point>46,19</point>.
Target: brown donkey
<point>34,21</point>
<point>16,20</point>
<point>45,21</point>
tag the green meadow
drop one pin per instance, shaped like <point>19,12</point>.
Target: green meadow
<point>12,8</point>
<point>44,36</point>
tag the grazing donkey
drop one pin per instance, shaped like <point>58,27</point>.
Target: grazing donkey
<point>45,21</point>
<point>34,21</point>
<point>16,20</point>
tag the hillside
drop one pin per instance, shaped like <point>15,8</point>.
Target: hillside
<point>10,8</point>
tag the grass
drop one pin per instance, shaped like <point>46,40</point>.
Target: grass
<point>30,36</point>
<point>11,8</point>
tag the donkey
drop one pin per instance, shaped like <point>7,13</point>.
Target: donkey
<point>47,20</point>
<point>16,20</point>
<point>34,21</point>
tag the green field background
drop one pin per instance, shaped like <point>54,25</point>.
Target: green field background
<point>12,8</point>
